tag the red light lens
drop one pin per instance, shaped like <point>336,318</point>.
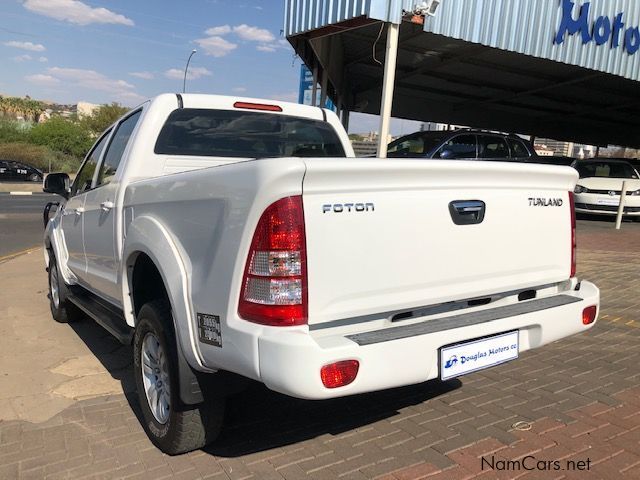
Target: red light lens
<point>572,206</point>
<point>589,315</point>
<point>339,374</point>
<point>258,106</point>
<point>274,287</point>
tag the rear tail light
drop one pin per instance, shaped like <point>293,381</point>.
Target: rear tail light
<point>274,286</point>
<point>589,315</point>
<point>572,207</point>
<point>339,374</point>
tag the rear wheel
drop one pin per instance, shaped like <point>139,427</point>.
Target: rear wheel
<point>62,310</point>
<point>172,426</point>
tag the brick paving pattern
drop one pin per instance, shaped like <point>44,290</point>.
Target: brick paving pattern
<point>576,400</point>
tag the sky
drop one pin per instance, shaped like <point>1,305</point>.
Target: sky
<point>103,51</point>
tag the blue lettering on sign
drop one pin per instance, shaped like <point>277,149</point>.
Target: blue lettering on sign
<point>602,30</point>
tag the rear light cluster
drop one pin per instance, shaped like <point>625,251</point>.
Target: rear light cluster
<point>274,286</point>
<point>589,315</point>
<point>339,374</point>
<point>572,207</point>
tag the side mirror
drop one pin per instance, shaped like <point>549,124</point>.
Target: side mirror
<point>446,154</point>
<point>58,183</point>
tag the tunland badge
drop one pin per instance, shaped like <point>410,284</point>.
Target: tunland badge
<point>348,207</point>
<point>545,202</point>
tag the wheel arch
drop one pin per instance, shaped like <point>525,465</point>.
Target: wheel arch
<point>150,247</point>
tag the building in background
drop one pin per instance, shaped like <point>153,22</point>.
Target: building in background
<point>366,144</point>
<point>364,148</point>
<point>305,91</point>
<point>86,109</point>
<point>559,149</point>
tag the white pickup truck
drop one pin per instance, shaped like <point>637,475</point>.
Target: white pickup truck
<point>232,238</point>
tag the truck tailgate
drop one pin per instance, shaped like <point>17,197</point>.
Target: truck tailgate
<point>382,234</point>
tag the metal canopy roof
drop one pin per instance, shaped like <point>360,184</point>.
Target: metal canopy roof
<point>476,73</point>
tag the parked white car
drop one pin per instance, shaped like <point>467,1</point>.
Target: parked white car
<point>316,274</point>
<point>600,187</point>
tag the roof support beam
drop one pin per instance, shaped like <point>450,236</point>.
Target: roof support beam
<point>528,92</point>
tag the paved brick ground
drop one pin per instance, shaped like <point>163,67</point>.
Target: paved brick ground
<point>576,400</point>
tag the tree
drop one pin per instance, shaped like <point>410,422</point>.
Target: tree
<point>14,107</point>
<point>62,135</point>
<point>103,117</point>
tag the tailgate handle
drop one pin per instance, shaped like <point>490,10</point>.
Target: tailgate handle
<point>467,212</point>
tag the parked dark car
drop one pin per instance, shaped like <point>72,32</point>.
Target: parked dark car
<point>465,144</point>
<point>11,171</point>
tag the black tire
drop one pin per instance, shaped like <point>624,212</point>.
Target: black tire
<point>34,177</point>
<point>188,427</point>
<point>62,310</point>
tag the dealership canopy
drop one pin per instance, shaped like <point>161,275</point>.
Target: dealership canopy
<point>563,69</point>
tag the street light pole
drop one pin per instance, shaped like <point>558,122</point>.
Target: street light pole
<point>186,68</point>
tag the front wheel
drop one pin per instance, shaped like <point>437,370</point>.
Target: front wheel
<point>62,310</point>
<point>173,427</point>
<point>34,177</point>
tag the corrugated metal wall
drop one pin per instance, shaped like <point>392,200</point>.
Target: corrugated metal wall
<point>304,15</point>
<point>529,27</point>
<point>523,26</point>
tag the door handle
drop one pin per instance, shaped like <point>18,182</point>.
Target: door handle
<point>106,206</point>
<point>79,210</point>
<point>467,212</point>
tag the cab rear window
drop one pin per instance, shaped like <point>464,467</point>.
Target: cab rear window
<point>228,133</point>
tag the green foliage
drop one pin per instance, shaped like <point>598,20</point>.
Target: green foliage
<point>13,131</point>
<point>59,142</point>
<point>39,156</point>
<point>62,135</point>
<point>103,117</point>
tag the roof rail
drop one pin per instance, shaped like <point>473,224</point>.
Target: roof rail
<point>482,130</point>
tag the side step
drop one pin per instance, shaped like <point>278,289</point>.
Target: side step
<point>109,317</point>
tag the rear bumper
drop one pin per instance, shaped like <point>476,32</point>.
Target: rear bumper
<point>290,362</point>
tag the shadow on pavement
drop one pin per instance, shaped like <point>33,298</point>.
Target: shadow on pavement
<point>259,419</point>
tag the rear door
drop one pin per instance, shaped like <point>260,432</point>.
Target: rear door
<point>100,215</point>
<point>519,152</point>
<point>382,234</point>
<point>22,171</point>
<point>493,148</point>
<point>74,210</point>
<point>460,147</point>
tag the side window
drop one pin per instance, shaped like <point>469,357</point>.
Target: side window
<point>82,183</point>
<point>460,147</point>
<point>518,149</point>
<point>116,148</point>
<point>493,147</point>
<point>411,145</point>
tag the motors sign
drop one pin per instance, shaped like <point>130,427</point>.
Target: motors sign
<point>602,30</point>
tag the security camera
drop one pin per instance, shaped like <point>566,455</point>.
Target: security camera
<point>427,7</point>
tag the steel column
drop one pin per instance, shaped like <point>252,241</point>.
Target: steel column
<point>388,86</point>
